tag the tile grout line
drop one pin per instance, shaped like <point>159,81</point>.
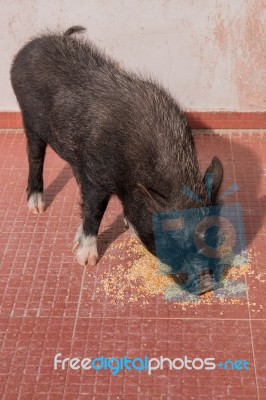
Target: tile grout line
<point>251,335</point>
<point>252,343</point>
<point>75,324</point>
<point>134,318</point>
<point>249,319</point>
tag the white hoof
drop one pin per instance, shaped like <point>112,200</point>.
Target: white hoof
<point>36,203</point>
<point>85,248</point>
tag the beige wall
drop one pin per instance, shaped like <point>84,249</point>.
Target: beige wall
<point>209,53</point>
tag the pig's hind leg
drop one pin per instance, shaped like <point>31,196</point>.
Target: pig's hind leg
<point>94,203</point>
<point>36,153</point>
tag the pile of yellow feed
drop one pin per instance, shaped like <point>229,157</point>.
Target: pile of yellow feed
<point>137,278</point>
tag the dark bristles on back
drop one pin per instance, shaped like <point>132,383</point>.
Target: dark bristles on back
<point>74,29</point>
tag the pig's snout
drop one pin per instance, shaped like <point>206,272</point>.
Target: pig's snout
<point>201,284</point>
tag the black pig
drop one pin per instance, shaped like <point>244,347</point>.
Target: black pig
<point>122,134</point>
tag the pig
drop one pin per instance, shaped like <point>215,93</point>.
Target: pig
<point>122,133</point>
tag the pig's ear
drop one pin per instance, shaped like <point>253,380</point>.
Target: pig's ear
<point>213,178</point>
<point>149,198</point>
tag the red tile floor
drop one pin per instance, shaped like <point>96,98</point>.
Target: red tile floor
<point>50,304</point>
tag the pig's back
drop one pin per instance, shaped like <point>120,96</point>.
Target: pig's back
<point>85,102</point>
<point>51,62</point>
<point>67,86</point>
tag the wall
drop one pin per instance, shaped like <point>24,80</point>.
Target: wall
<point>208,53</point>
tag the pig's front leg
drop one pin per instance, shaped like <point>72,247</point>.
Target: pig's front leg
<point>94,203</point>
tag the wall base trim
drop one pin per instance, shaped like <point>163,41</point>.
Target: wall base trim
<point>196,119</point>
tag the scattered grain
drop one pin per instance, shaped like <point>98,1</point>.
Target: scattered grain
<point>138,278</point>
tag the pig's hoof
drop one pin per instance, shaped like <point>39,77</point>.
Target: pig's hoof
<point>85,248</point>
<point>36,203</point>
